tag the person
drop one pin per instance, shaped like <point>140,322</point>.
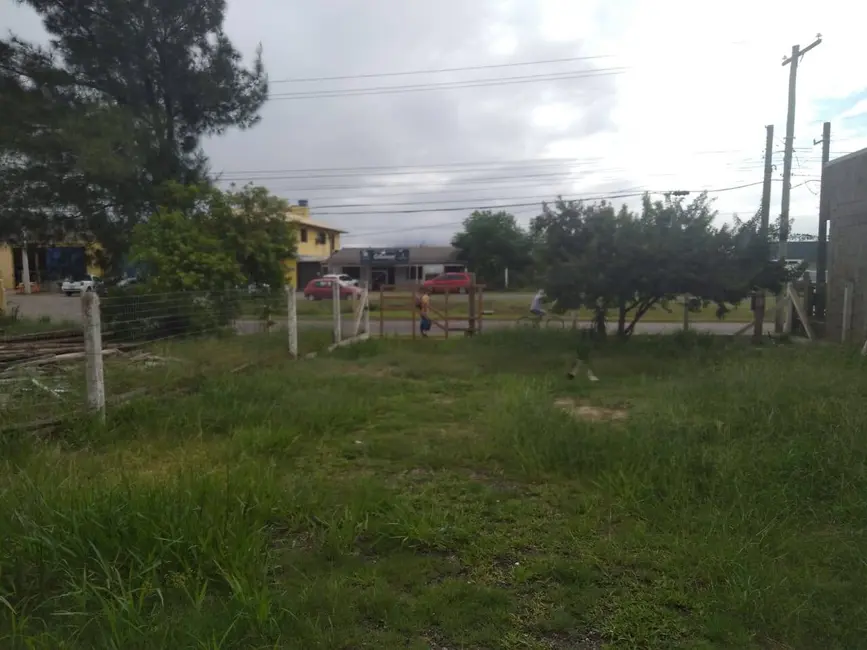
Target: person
<point>424,311</point>
<point>536,306</point>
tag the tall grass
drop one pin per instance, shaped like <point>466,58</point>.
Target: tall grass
<point>430,494</point>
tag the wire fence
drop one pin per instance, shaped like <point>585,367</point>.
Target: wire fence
<point>129,344</point>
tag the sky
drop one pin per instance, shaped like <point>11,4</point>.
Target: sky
<point>467,105</point>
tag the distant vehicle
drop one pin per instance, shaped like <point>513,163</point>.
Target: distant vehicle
<point>342,278</point>
<point>322,289</point>
<point>128,282</point>
<point>449,283</point>
<point>84,284</point>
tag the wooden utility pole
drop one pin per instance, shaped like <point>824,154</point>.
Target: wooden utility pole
<point>759,311</point>
<point>824,209</point>
<point>793,62</point>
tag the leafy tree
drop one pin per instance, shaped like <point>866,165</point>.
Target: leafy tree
<point>607,259</point>
<point>208,240</point>
<point>492,242</point>
<point>163,69</point>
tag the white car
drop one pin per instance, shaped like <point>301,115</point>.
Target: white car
<point>85,284</point>
<point>342,278</point>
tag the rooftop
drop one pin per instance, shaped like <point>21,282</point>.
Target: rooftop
<point>418,255</point>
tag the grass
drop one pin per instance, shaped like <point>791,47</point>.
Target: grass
<point>12,324</point>
<point>401,494</point>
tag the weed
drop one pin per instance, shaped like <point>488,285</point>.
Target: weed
<point>399,494</point>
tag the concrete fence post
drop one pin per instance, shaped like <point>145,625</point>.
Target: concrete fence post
<point>686,313</point>
<point>93,353</point>
<point>292,319</point>
<point>335,300</point>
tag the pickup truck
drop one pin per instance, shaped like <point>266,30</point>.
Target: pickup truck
<point>82,285</point>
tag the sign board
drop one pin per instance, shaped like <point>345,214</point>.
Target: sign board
<point>384,256</point>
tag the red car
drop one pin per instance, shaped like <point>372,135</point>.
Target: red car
<point>449,283</point>
<point>322,289</point>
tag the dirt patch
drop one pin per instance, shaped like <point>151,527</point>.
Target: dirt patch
<point>587,412</point>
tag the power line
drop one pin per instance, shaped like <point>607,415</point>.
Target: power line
<point>519,161</point>
<point>448,85</point>
<point>436,70</point>
<point>524,205</point>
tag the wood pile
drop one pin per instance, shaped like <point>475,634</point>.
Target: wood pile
<point>30,346</point>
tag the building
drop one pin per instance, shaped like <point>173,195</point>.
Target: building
<point>381,266</point>
<point>844,187</point>
<point>48,264</point>
<point>316,243</point>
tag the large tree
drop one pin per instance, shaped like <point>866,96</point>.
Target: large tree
<point>163,69</point>
<point>492,242</point>
<point>203,239</point>
<point>614,260</point>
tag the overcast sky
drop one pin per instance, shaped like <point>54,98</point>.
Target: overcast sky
<point>675,96</point>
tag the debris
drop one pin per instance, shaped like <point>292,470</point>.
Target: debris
<point>587,412</point>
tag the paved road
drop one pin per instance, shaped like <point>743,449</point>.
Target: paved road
<point>60,308</point>
<point>405,327</point>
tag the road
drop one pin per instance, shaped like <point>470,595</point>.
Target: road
<point>62,309</point>
<point>404,328</point>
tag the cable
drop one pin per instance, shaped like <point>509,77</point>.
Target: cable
<point>436,70</point>
<point>524,205</point>
<point>448,85</point>
<point>484,163</point>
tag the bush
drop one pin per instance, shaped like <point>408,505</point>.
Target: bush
<point>131,314</point>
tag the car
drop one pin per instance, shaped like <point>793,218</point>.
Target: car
<point>449,283</point>
<point>128,282</point>
<point>323,289</point>
<point>341,277</point>
<point>83,284</point>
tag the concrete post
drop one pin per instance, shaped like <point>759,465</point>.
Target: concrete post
<point>292,322</point>
<point>93,353</point>
<point>335,301</point>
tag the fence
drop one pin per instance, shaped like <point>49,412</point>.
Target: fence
<point>128,344</point>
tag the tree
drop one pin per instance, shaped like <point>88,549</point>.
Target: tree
<point>164,68</point>
<point>208,240</point>
<point>492,242</point>
<point>607,259</point>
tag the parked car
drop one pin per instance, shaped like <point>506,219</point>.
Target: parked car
<point>81,285</point>
<point>341,277</point>
<point>449,283</point>
<point>128,282</point>
<point>322,289</point>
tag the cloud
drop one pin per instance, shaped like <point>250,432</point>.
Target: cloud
<point>701,82</point>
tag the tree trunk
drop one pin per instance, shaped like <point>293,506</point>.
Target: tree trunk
<point>599,322</point>
<point>621,319</point>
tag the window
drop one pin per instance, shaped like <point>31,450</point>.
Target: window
<point>304,235</point>
<point>320,238</point>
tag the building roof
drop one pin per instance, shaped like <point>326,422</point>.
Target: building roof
<point>313,224</point>
<point>418,255</point>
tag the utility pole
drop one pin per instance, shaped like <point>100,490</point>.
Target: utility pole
<point>793,62</point>
<point>759,311</point>
<point>824,209</point>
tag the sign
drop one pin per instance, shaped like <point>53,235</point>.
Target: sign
<point>385,256</point>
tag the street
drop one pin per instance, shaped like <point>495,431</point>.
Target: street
<point>62,309</point>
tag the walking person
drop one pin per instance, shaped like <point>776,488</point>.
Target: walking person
<point>424,311</point>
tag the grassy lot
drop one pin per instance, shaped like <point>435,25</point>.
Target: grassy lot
<point>450,494</point>
<point>507,307</point>
<point>11,326</point>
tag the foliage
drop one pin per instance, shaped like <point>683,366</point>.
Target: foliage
<point>492,242</point>
<point>602,258</point>
<point>209,240</point>
<point>157,76</point>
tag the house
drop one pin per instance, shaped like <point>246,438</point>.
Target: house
<point>410,265</point>
<point>48,264</point>
<point>316,243</point>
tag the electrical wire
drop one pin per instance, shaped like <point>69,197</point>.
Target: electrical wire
<point>448,85</point>
<point>436,70</point>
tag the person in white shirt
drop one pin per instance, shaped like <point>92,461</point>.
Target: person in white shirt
<point>536,306</point>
